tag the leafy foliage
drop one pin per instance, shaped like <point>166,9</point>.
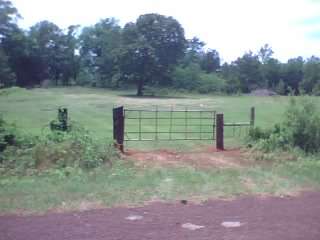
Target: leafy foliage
<point>151,46</point>
<point>152,52</point>
<point>300,129</point>
<point>55,149</point>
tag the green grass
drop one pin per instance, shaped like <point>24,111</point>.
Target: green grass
<point>127,185</point>
<point>32,110</point>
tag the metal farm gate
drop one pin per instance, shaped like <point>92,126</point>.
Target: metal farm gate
<point>171,125</point>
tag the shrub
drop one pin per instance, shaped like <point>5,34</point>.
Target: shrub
<point>316,89</point>
<point>300,128</point>
<point>302,124</point>
<point>193,78</point>
<point>187,77</point>
<point>56,149</point>
<point>211,83</point>
<point>7,134</point>
<point>268,139</point>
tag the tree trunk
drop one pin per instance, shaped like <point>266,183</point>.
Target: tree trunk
<point>140,88</point>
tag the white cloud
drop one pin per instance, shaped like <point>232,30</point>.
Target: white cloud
<point>230,26</point>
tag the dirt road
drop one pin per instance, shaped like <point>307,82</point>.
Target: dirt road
<point>255,218</point>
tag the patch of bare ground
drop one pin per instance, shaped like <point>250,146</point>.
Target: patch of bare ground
<point>202,158</point>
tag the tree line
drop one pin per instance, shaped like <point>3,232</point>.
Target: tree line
<point>150,52</point>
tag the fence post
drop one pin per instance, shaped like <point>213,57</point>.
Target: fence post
<point>219,132</point>
<point>118,127</point>
<point>252,116</point>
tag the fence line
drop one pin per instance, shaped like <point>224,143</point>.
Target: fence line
<point>213,125</point>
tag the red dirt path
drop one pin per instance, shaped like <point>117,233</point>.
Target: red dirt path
<point>263,219</point>
<point>207,157</point>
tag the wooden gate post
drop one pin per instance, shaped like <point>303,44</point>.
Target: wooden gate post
<point>118,127</point>
<point>219,132</point>
<point>252,116</point>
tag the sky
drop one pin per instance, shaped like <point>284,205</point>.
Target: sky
<point>232,27</point>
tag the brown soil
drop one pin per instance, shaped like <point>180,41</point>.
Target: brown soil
<point>264,219</point>
<point>202,158</point>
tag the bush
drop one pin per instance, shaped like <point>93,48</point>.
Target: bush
<point>302,124</point>
<point>268,139</point>
<point>211,83</point>
<point>187,77</point>
<point>300,128</point>
<point>192,78</point>
<point>316,89</point>
<point>56,149</point>
<point>7,134</point>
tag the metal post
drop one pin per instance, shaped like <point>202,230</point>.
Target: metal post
<point>186,123</point>
<point>219,132</point>
<point>200,125</point>
<point>118,127</point>
<point>140,125</point>
<point>252,116</point>
<point>156,137</point>
<point>170,130</point>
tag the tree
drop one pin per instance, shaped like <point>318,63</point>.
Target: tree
<point>265,53</point>
<point>99,46</point>
<point>293,73</point>
<point>210,61</point>
<point>48,51</point>
<point>7,77</point>
<point>71,60</point>
<point>194,52</point>
<point>272,72</point>
<point>137,64</point>
<point>311,74</point>
<point>270,67</point>
<point>151,47</point>
<point>230,73</point>
<point>16,46</point>
<point>248,71</point>
<point>8,17</point>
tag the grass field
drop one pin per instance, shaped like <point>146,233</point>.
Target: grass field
<point>32,110</point>
<point>126,184</point>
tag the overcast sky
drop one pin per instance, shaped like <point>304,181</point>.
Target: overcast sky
<point>290,27</point>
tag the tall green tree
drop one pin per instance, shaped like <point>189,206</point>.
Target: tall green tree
<point>151,47</point>
<point>311,74</point>
<point>293,73</point>
<point>17,47</point>
<point>8,18</point>
<point>248,71</point>
<point>210,61</point>
<point>99,47</point>
<point>7,77</point>
<point>272,72</point>
<point>194,52</point>
<point>70,64</point>
<point>265,53</point>
<point>48,50</point>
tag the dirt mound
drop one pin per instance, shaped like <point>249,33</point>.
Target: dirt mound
<point>203,158</point>
<point>263,92</point>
